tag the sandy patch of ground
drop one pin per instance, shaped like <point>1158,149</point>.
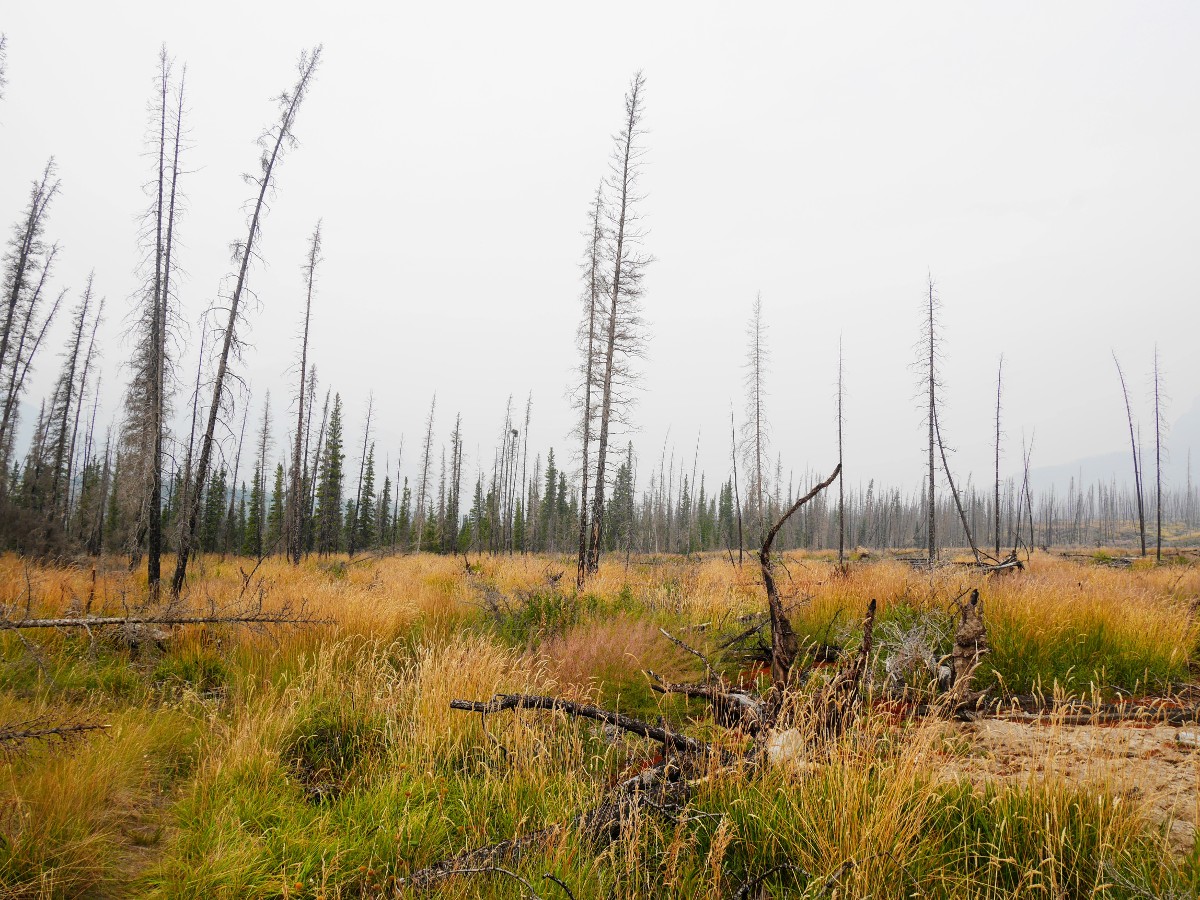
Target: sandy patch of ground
<point>1147,765</point>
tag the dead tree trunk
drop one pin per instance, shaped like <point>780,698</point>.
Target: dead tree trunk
<point>783,639</point>
<point>840,463</point>
<point>296,508</point>
<point>277,139</point>
<point>996,510</point>
<point>594,290</point>
<point>622,331</point>
<point>1158,492</point>
<point>1137,464</point>
<point>737,500</point>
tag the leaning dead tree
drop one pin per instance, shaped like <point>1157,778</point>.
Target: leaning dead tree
<point>295,544</point>
<point>274,143</point>
<point>784,646</point>
<point>1137,464</point>
<point>27,265</point>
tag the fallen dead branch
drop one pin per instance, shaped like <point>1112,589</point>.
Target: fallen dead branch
<point>502,702</point>
<point>40,729</point>
<point>264,618</point>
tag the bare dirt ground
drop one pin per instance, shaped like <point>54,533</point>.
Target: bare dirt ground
<point>1142,764</point>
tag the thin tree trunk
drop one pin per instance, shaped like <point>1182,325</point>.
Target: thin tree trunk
<point>296,517</point>
<point>737,500</point>
<point>627,159</point>
<point>362,463</point>
<point>840,463</point>
<point>931,512</point>
<point>291,104</point>
<point>1157,460</point>
<point>1137,465</point>
<point>999,382</point>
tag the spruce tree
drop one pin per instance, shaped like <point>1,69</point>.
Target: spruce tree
<point>329,488</point>
<point>214,512</point>
<point>383,515</point>
<point>275,513</point>
<point>404,517</point>
<point>549,511</point>
<point>364,538</point>
<point>252,537</point>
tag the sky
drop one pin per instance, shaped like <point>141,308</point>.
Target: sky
<point>1038,161</point>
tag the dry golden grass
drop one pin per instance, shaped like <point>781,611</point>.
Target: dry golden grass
<point>325,761</point>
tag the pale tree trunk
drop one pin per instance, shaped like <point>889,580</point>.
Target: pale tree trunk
<point>1158,492</point>
<point>931,338</point>
<point>841,471</point>
<point>295,510</point>
<point>999,382</point>
<point>419,515</point>
<point>627,155</point>
<point>277,139</point>
<point>589,350</point>
<point>1137,463</point>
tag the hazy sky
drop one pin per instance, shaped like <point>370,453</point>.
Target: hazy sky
<point>1041,160</point>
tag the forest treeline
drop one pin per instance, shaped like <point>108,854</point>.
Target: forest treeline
<point>185,468</point>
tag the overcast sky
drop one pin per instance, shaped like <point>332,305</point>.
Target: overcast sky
<point>1040,160</point>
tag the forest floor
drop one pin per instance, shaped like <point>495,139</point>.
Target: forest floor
<point>323,759</point>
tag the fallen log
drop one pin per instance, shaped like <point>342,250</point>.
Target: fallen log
<point>281,618</point>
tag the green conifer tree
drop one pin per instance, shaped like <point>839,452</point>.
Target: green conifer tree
<point>329,487</point>
<point>275,513</point>
<point>214,512</point>
<point>252,537</point>
<point>364,537</point>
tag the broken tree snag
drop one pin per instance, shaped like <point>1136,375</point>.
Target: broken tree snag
<point>784,646</point>
<point>970,644</point>
<point>835,704</point>
<point>501,702</point>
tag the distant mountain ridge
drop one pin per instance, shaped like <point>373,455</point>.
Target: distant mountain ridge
<point>1184,434</point>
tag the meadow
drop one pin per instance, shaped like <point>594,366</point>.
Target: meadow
<point>324,760</point>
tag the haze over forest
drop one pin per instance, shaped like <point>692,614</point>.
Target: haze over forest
<point>1040,168</point>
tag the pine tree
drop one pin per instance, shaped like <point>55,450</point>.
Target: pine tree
<point>329,489</point>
